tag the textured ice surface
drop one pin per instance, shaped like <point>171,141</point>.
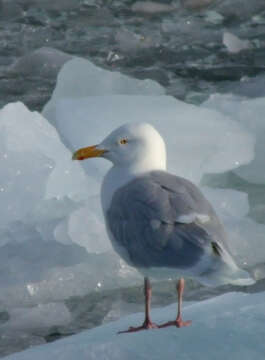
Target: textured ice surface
<point>249,113</point>
<point>230,326</point>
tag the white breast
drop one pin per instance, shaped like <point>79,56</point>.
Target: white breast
<point>114,179</point>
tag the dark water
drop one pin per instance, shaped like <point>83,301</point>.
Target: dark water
<point>180,47</point>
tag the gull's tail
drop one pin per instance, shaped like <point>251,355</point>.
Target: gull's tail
<point>226,271</point>
<point>240,278</point>
<point>232,273</point>
<point>226,275</point>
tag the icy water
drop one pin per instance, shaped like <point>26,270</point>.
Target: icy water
<point>179,44</point>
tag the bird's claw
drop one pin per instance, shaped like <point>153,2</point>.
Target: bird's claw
<point>178,323</point>
<point>146,326</point>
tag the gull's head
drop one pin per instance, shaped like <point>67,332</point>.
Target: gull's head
<point>131,145</point>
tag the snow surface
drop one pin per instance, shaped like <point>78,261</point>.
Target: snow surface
<point>230,326</point>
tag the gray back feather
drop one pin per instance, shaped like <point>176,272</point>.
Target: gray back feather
<point>145,219</point>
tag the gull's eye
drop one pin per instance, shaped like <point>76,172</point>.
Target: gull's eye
<point>123,141</point>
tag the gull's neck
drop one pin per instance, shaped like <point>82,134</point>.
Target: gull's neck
<point>119,176</point>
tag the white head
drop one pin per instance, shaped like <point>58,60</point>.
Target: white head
<point>137,146</point>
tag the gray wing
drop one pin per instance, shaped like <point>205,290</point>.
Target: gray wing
<point>163,220</point>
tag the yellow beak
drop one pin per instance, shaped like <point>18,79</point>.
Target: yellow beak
<point>88,152</point>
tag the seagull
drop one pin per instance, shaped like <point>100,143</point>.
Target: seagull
<point>158,222</point>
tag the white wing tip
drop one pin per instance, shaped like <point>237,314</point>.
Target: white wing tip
<point>243,281</point>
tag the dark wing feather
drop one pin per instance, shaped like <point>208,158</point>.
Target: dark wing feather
<point>145,219</point>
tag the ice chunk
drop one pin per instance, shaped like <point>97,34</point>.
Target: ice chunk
<point>29,150</point>
<point>227,202</point>
<point>234,44</point>
<point>213,17</point>
<point>46,232</point>
<point>249,113</point>
<point>25,131</point>
<point>238,318</point>
<point>24,170</point>
<point>80,78</point>
<point>31,261</point>
<point>86,227</point>
<point>36,175</point>
<point>45,62</point>
<point>59,282</point>
<point>251,87</point>
<point>152,7</point>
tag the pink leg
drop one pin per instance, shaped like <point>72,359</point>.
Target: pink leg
<point>178,322</point>
<point>147,324</point>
